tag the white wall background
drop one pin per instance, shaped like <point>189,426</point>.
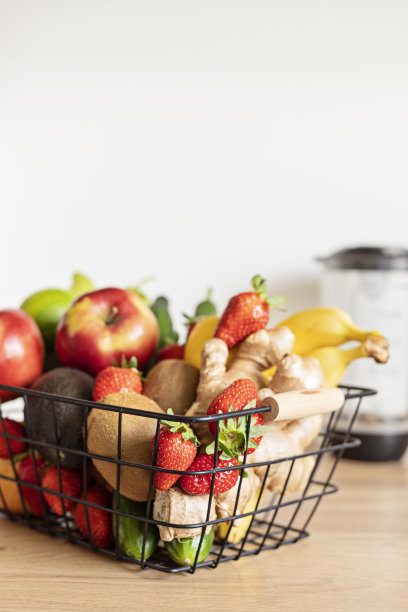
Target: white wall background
<point>200,142</point>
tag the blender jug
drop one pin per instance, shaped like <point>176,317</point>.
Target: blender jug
<point>371,284</point>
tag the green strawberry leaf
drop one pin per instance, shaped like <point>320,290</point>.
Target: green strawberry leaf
<point>132,363</point>
<point>183,428</point>
<point>252,444</point>
<point>125,364</point>
<point>210,449</point>
<point>277,303</point>
<point>250,405</point>
<point>225,448</point>
<point>259,430</point>
<point>260,286</point>
<point>225,456</point>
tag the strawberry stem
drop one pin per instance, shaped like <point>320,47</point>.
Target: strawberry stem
<point>131,364</point>
<point>232,433</point>
<point>183,428</point>
<point>260,286</point>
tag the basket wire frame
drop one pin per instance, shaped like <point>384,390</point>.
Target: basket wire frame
<point>284,519</point>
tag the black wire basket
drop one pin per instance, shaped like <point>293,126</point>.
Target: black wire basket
<point>274,518</point>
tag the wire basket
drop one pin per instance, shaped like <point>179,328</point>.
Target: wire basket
<point>274,519</point>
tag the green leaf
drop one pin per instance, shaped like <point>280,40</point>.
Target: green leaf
<point>250,405</point>
<point>260,286</point>
<point>210,449</point>
<point>225,456</point>
<point>161,312</point>
<point>259,430</point>
<point>206,308</point>
<point>133,362</point>
<point>172,338</point>
<point>224,447</point>
<point>176,427</point>
<point>277,303</point>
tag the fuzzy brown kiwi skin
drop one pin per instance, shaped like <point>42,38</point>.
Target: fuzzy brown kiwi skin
<point>136,442</point>
<point>172,383</point>
<point>39,419</point>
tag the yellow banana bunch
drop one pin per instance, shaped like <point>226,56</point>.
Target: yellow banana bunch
<point>320,331</point>
<point>334,361</point>
<point>319,327</point>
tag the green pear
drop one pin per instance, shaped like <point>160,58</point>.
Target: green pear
<point>46,307</point>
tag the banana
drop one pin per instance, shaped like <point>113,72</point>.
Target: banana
<point>334,361</point>
<point>238,531</point>
<point>318,327</point>
<point>204,330</point>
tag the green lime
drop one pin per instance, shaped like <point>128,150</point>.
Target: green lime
<point>46,307</point>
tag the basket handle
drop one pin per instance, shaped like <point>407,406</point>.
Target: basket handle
<point>298,404</point>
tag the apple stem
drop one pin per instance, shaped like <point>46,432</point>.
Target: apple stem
<point>111,315</point>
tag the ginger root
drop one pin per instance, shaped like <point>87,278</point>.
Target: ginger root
<point>177,507</point>
<point>287,439</point>
<point>302,468</point>
<point>297,373</point>
<point>256,353</point>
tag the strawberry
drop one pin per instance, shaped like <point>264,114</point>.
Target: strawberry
<point>171,351</point>
<point>241,394</point>
<point>100,521</point>
<point>71,485</point>
<point>176,450</point>
<point>117,379</point>
<point>201,483</point>
<point>234,397</point>
<point>26,472</point>
<point>246,313</point>
<point>16,446</point>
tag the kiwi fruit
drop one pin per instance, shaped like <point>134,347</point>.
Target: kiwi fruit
<point>137,433</point>
<point>67,430</point>
<point>172,383</point>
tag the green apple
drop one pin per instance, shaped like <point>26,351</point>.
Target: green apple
<point>46,307</point>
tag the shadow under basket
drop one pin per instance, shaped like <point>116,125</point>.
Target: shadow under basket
<point>273,520</point>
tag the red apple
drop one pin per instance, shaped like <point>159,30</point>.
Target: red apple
<point>104,325</point>
<point>21,351</point>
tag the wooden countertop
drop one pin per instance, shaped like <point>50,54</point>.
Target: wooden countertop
<point>355,559</point>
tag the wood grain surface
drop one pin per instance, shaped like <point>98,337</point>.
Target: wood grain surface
<point>356,559</point>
